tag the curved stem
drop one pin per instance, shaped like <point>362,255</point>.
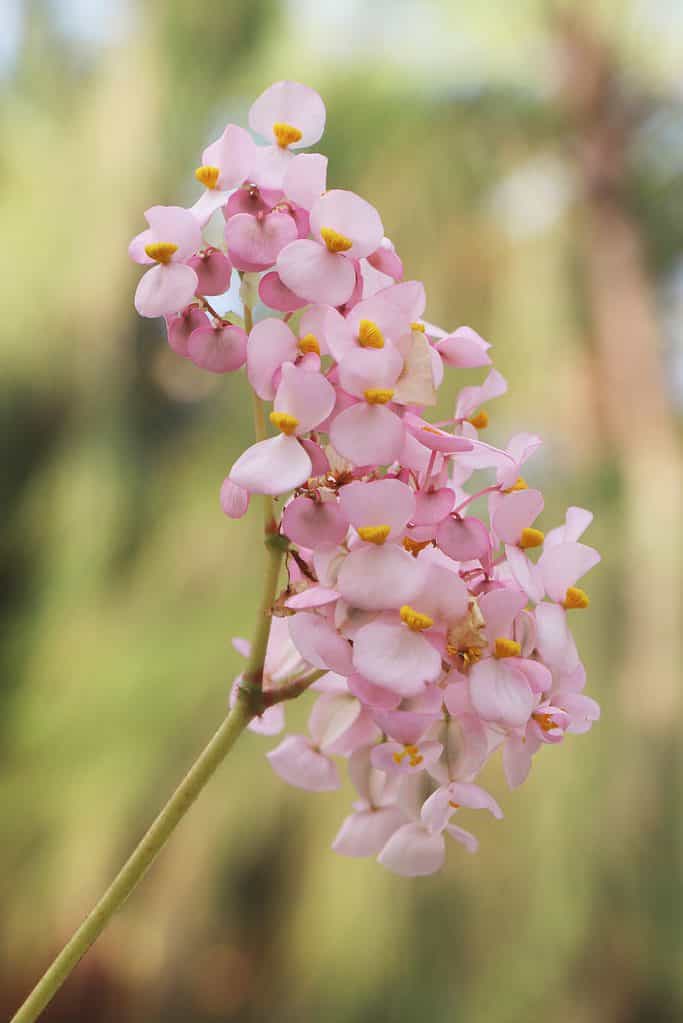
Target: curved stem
<point>138,863</point>
<point>250,701</point>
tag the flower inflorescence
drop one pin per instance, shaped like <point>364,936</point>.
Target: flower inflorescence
<point>432,637</point>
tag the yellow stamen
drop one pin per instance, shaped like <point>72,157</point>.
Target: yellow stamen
<point>414,546</point>
<point>369,335</point>
<point>545,721</point>
<point>456,806</point>
<point>430,429</point>
<point>374,534</point>
<point>418,326</point>
<point>469,654</point>
<point>413,752</point>
<point>284,422</point>
<point>415,620</point>
<point>575,599</point>
<point>531,538</point>
<point>335,241</point>
<point>309,343</point>
<point>480,421</point>
<point>378,395</point>
<point>519,484</point>
<point>207,175</point>
<point>285,134</point>
<point>506,648</point>
<point>161,252</point>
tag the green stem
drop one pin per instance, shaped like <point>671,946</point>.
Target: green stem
<point>138,863</point>
<point>250,702</point>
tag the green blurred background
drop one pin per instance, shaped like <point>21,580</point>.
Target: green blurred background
<point>527,159</point>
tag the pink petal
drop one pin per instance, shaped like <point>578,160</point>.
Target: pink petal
<point>470,398</point>
<point>500,693</point>
<point>465,539</point>
<point>271,343</point>
<point>277,295</point>
<point>395,657</point>
<point>289,103</point>
<point>319,643</point>
<point>367,433</point>
<point>213,271</point>
<point>379,578</point>
<point>351,216</point>
<point>234,500</point>
<point>271,722</point>
<point>218,349</point>
<point>254,243</point>
<point>365,833</point>
<point>517,755</point>
<point>413,851</point>
<point>464,349</point>
<point>474,798</point>
<point>314,523</point>
<point>515,512</point>
<point>320,465</point>
<point>563,565</point>
<point>177,225</point>
<point>233,153</point>
<point>165,288</point>
<point>554,640</point>
<point>500,608</point>
<point>299,764</point>
<point>315,274</point>
<point>386,260</point>
<point>363,368</point>
<point>525,573</point>
<point>431,506</point>
<point>315,596</point>
<point>332,715</point>
<point>272,466</point>
<point>305,179</point>
<point>306,395</point>
<point>371,695</point>
<point>465,838</point>
<point>381,502</point>
<point>180,326</point>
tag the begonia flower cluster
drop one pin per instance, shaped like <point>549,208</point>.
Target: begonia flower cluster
<point>430,637</point>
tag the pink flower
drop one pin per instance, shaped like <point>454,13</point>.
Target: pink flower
<point>173,236</point>
<point>226,163</point>
<point>281,463</point>
<point>291,116</point>
<point>344,228</point>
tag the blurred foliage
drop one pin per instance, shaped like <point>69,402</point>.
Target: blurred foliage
<point>122,583</point>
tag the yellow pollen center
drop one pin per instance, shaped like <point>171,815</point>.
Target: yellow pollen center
<point>413,752</point>
<point>374,534</point>
<point>545,721</point>
<point>575,599</point>
<point>285,134</point>
<point>369,335</point>
<point>208,175</point>
<point>285,423</point>
<point>309,343</point>
<point>530,538</point>
<point>519,484</point>
<point>161,252</point>
<point>414,546</point>
<point>506,648</point>
<point>335,241</point>
<point>480,421</point>
<point>378,395</point>
<point>469,654</point>
<point>415,620</point>
<point>418,326</point>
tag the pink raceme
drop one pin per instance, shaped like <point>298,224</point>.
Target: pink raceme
<point>424,611</point>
